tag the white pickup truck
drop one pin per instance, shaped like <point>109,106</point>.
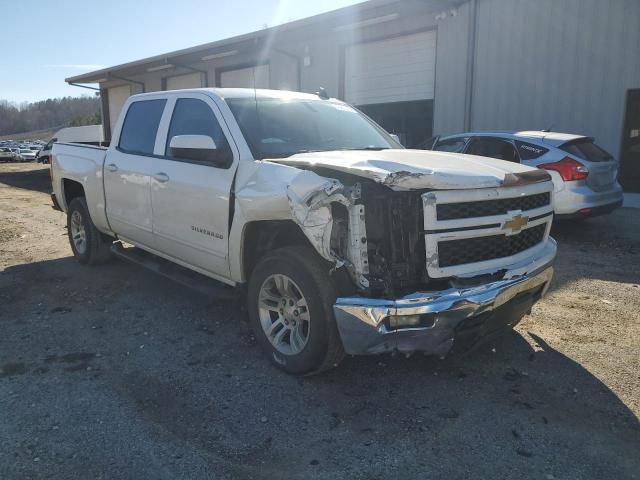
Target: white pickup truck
<point>342,240</point>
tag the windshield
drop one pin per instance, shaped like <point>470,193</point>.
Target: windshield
<point>278,128</point>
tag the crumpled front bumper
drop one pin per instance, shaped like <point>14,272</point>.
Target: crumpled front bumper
<point>455,315</point>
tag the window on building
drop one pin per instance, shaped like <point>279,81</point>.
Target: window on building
<point>494,148</point>
<point>194,117</point>
<point>141,126</point>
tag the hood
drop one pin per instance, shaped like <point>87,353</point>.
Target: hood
<point>420,169</point>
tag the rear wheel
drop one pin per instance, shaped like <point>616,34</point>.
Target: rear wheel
<point>290,310</point>
<point>89,245</point>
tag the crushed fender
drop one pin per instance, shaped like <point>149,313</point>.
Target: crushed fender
<point>310,197</point>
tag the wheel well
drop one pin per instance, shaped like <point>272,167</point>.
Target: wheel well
<point>261,237</point>
<point>71,190</point>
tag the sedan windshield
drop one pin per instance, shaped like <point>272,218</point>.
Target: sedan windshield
<point>278,128</point>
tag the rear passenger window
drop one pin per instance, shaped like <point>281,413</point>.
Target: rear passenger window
<point>529,151</point>
<point>494,148</point>
<point>451,145</point>
<point>194,117</point>
<point>141,126</point>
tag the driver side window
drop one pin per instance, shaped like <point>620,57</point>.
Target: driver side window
<point>194,117</point>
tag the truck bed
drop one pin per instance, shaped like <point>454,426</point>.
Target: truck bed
<point>83,164</point>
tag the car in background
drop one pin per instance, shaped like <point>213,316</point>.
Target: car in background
<point>584,174</point>
<point>7,155</point>
<point>85,135</point>
<point>44,155</point>
<point>27,155</point>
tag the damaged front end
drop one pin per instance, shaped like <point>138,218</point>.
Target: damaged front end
<point>313,200</point>
<point>409,295</point>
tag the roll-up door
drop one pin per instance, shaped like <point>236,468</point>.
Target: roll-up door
<point>244,77</point>
<point>189,80</point>
<point>394,70</point>
<point>117,96</point>
<point>393,82</point>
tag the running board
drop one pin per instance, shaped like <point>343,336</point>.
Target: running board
<point>188,278</point>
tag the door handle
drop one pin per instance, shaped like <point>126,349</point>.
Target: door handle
<point>112,167</point>
<point>161,177</point>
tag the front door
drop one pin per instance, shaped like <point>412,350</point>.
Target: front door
<point>630,154</point>
<point>127,173</point>
<point>190,198</point>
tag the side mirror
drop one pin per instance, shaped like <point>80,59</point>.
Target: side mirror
<point>395,137</point>
<point>194,147</point>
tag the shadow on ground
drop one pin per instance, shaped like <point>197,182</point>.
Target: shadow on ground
<point>16,176</point>
<point>115,372</point>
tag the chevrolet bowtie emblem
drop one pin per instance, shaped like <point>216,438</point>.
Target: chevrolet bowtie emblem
<point>515,223</point>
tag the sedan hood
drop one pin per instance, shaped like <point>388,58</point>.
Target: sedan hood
<point>420,169</point>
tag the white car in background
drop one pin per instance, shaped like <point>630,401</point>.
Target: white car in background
<point>584,175</point>
<point>27,155</point>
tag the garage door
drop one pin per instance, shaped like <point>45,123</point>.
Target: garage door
<point>117,96</point>
<point>397,70</point>
<point>244,77</point>
<point>190,80</point>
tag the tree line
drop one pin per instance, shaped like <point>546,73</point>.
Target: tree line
<point>50,113</point>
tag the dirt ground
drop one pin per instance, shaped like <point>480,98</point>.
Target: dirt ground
<point>112,372</point>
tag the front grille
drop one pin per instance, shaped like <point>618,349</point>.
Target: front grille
<point>487,208</point>
<point>480,249</point>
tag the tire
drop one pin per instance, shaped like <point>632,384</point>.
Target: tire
<point>308,274</point>
<point>95,246</point>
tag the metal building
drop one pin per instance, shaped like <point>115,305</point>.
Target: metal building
<point>426,67</point>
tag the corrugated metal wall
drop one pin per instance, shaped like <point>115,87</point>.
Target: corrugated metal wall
<point>564,64</point>
<point>451,70</point>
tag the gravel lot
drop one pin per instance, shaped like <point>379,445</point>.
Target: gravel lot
<point>112,372</point>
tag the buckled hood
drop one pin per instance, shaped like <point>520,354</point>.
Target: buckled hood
<point>421,169</point>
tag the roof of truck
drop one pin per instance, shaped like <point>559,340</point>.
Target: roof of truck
<point>239,93</point>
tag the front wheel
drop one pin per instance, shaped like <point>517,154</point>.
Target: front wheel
<point>291,296</point>
<point>88,244</point>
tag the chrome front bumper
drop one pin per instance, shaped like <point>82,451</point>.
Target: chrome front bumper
<point>365,328</point>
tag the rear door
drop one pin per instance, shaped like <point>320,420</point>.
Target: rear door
<point>127,172</point>
<point>603,169</point>
<point>190,198</point>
